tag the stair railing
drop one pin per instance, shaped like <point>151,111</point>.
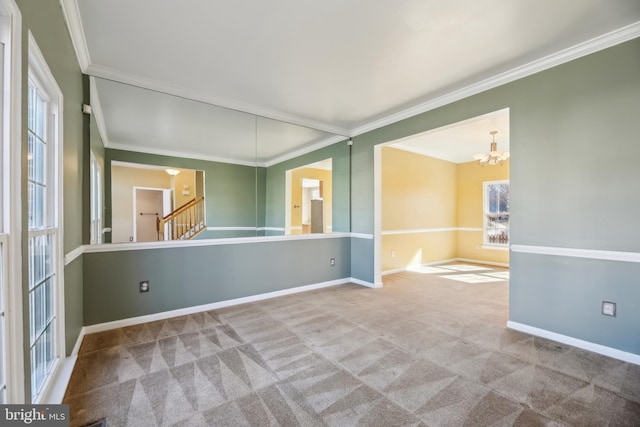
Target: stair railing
<point>184,222</point>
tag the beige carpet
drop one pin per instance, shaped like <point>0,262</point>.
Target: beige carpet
<point>425,350</point>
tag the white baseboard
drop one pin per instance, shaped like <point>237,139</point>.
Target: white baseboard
<point>363,283</point>
<point>575,342</point>
<point>446,261</point>
<point>100,327</point>
<point>76,347</point>
<point>475,261</point>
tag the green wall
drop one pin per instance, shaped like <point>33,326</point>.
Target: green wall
<point>275,187</point>
<point>191,276</point>
<point>574,174</point>
<point>230,190</point>
<point>45,21</point>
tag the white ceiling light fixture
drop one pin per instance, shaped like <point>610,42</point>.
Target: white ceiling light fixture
<point>172,172</point>
<point>494,157</point>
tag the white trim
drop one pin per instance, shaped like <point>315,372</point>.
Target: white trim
<point>54,390</point>
<point>100,327</point>
<point>365,283</point>
<point>271,229</point>
<point>13,134</point>
<point>408,268</point>
<point>446,261</point>
<point>174,153</point>
<point>579,50</point>
<point>504,248</point>
<point>78,344</point>
<point>116,247</point>
<point>232,228</point>
<point>477,261</point>
<point>377,213</point>
<point>38,66</point>
<point>362,236</point>
<point>73,254</point>
<point>578,253</point>
<point>429,230</point>
<point>588,47</point>
<point>575,342</point>
<point>61,382</point>
<point>177,90</point>
<point>74,24</point>
<point>134,246</point>
<point>307,149</point>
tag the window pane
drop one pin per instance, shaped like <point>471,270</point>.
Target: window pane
<point>30,154</point>
<point>31,122</point>
<point>40,164</point>
<point>40,116</point>
<point>42,356</point>
<point>497,213</point>
<point>38,205</point>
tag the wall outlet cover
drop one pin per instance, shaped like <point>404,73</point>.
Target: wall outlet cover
<point>609,308</point>
<point>144,286</point>
<point>332,262</point>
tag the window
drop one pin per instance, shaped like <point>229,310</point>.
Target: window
<point>96,201</point>
<point>4,239</point>
<point>11,331</point>
<point>43,220</point>
<point>496,213</point>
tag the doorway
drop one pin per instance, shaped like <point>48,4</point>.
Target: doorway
<point>308,198</point>
<point>429,197</point>
<point>149,205</point>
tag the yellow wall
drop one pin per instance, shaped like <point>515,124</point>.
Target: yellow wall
<point>417,191</point>
<point>470,200</point>
<point>185,177</point>
<point>420,192</point>
<point>296,196</point>
<point>123,179</point>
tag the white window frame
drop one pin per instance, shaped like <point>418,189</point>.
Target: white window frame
<point>39,72</point>
<point>485,205</point>
<point>11,201</point>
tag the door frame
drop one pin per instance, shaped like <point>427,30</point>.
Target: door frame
<point>136,188</point>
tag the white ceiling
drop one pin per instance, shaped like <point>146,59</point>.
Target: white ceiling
<point>342,67</point>
<point>458,142</point>
<point>138,119</point>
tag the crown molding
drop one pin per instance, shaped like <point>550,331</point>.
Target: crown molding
<point>71,14</point>
<point>596,44</point>
<point>181,91</point>
<point>577,51</point>
<point>297,153</point>
<point>181,154</point>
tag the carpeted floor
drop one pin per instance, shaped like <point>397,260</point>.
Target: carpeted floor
<point>424,350</point>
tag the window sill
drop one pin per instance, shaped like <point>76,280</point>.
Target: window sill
<point>496,247</point>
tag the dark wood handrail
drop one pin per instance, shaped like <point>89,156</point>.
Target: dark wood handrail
<point>184,222</point>
<point>182,208</point>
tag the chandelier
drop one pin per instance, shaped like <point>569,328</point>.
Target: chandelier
<point>494,157</point>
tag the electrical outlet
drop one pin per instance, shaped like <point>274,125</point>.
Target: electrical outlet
<point>609,308</point>
<point>332,262</point>
<point>144,286</point>
<point>131,238</point>
<point>393,254</point>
